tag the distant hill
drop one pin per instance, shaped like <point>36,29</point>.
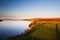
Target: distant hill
<point>31,19</point>
<point>40,30</point>
<point>43,19</point>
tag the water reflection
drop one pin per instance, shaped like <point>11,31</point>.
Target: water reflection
<point>12,28</point>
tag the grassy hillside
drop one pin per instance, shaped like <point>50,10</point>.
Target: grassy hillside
<point>47,30</point>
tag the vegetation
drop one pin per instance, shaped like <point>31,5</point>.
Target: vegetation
<point>41,31</point>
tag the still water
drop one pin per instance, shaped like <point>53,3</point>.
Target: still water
<point>12,28</point>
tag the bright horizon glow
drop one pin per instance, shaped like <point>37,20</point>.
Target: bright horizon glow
<point>30,8</point>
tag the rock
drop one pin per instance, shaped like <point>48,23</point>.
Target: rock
<point>1,20</point>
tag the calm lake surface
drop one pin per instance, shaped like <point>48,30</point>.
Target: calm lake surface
<point>12,28</point>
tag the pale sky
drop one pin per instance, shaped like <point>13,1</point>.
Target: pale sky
<point>30,8</point>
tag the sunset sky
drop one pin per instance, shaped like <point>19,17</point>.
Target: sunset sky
<point>30,8</point>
